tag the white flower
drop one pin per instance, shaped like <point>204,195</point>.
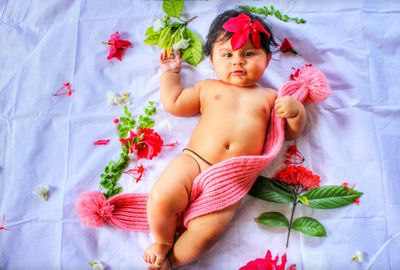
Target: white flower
<point>358,257</point>
<point>125,98</point>
<point>97,265</point>
<point>114,99</point>
<point>158,24</point>
<point>110,98</point>
<point>41,191</point>
<point>181,45</point>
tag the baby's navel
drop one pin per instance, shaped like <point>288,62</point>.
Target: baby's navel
<point>217,96</point>
<point>227,146</point>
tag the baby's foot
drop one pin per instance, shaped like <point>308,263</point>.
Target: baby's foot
<point>156,253</point>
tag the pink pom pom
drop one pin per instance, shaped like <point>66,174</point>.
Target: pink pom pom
<point>93,209</point>
<point>308,84</point>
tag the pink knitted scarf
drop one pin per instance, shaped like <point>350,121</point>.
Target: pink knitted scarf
<point>220,185</point>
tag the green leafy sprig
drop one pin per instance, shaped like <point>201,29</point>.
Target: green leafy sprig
<point>169,33</point>
<point>113,171</point>
<point>271,11</point>
<point>324,197</point>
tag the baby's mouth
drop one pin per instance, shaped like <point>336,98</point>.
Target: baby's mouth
<point>238,72</point>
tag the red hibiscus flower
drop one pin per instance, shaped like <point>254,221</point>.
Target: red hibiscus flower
<point>300,177</point>
<point>286,46</point>
<point>268,263</point>
<point>150,143</point>
<point>117,46</point>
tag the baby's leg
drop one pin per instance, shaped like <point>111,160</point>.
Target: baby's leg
<point>201,233</point>
<point>169,196</point>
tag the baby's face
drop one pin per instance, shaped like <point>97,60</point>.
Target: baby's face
<point>243,67</point>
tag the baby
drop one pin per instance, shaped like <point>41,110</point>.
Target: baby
<point>234,115</point>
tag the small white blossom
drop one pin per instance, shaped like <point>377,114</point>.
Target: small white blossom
<point>110,98</point>
<point>97,265</point>
<point>114,99</point>
<point>358,257</point>
<point>41,191</point>
<point>181,45</point>
<point>125,98</point>
<point>158,24</point>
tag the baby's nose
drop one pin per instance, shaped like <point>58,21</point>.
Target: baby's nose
<point>238,60</point>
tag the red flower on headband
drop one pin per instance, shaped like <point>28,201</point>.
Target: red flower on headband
<point>117,46</point>
<point>242,27</point>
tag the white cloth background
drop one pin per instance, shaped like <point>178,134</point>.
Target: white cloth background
<point>353,136</point>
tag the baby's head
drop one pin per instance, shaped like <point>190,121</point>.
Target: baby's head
<point>217,32</point>
<point>239,46</point>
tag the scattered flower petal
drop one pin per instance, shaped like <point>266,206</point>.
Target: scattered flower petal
<point>97,265</point>
<point>136,172</point>
<point>65,89</point>
<point>41,191</point>
<point>286,46</point>
<point>101,142</point>
<point>117,46</point>
<point>358,257</point>
<point>3,224</point>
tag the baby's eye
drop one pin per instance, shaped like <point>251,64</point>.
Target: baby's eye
<point>248,53</point>
<point>227,54</point>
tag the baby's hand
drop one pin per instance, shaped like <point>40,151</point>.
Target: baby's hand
<point>286,107</point>
<point>171,63</point>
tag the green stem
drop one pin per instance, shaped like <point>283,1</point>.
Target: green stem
<point>291,219</point>
<point>191,19</point>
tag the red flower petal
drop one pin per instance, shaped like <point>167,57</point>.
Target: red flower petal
<point>238,39</point>
<point>101,142</point>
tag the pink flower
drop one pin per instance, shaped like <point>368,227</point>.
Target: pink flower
<point>117,46</point>
<point>286,46</point>
<point>299,176</point>
<point>101,142</point>
<point>267,263</point>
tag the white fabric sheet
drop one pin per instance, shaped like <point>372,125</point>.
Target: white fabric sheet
<point>353,136</point>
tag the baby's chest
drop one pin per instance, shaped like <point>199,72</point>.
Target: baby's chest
<point>232,100</point>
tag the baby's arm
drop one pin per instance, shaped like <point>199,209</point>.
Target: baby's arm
<point>293,111</point>
<point>175,99</point>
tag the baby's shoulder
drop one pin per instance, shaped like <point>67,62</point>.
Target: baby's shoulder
<point>270,92</point>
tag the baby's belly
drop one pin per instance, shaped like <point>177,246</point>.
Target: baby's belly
<point>222,142</point>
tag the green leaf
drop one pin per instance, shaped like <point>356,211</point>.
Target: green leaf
<point>165,37</point>
<point>273,219</point>
<point>328,197</point>
<point>194,52</point>
<point>309,226</point>
<point>271,191</point>
<point>173,8</point>
<point>152,37</point>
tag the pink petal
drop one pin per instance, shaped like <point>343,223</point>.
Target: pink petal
<point>101,142</point>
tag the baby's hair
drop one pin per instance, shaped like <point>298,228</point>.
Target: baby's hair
<point>217,32</point>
